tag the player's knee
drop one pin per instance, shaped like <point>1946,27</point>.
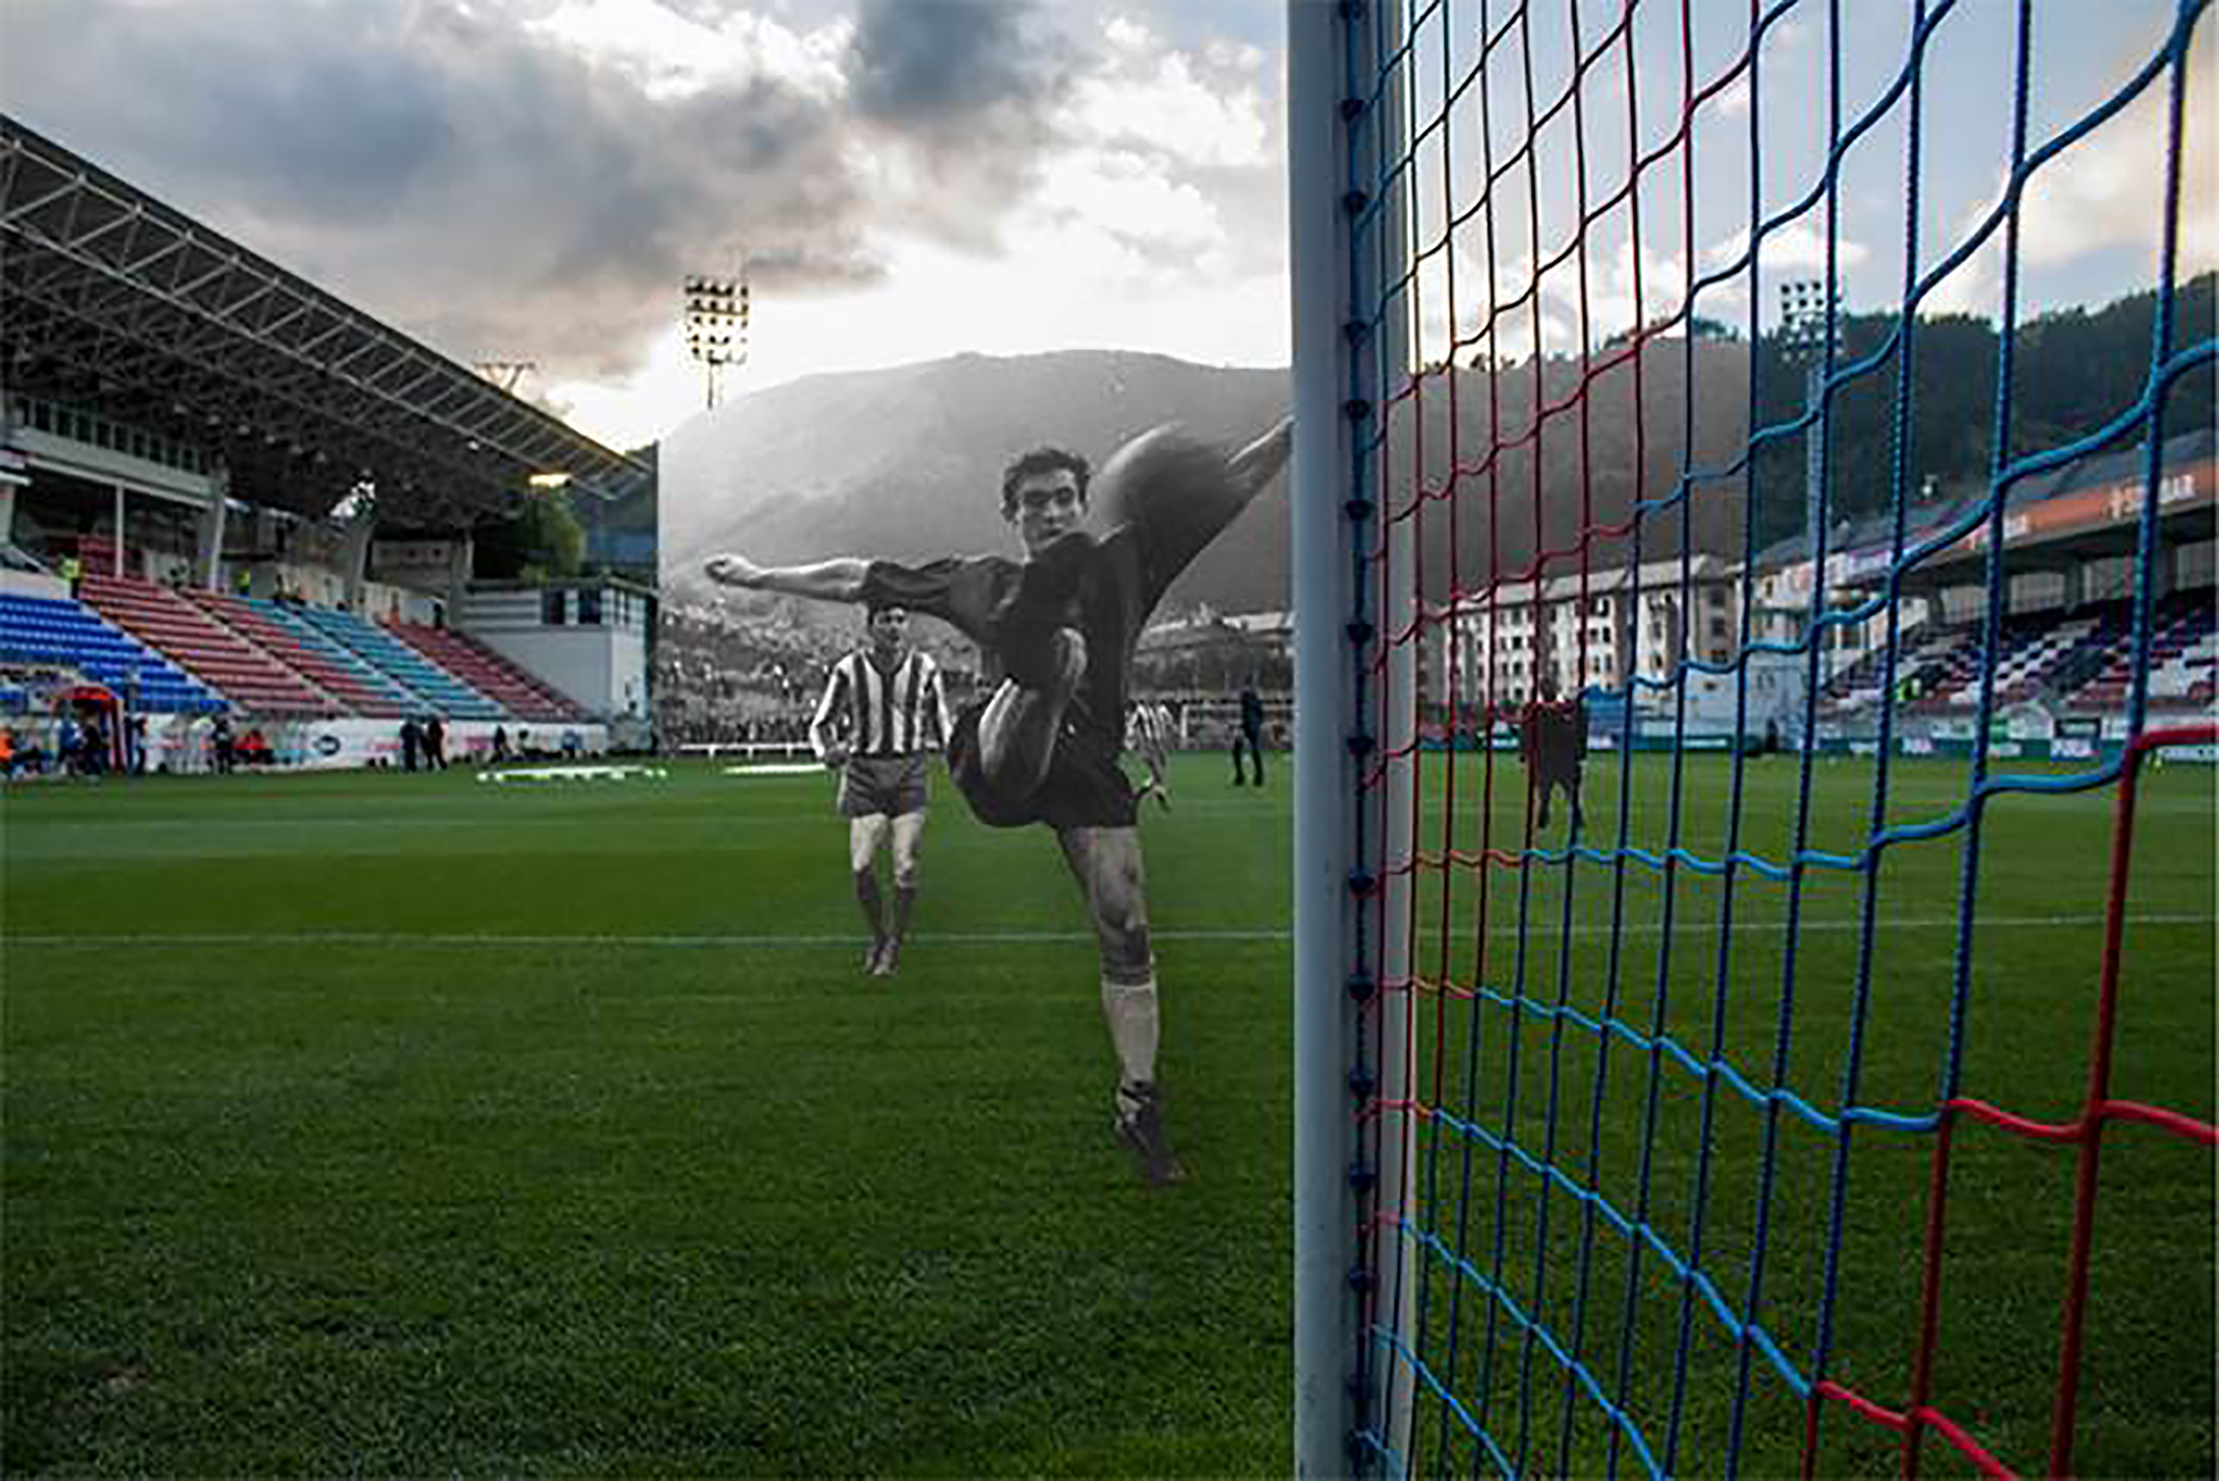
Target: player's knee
<point>905,872</point>
<point>1126,960</point>
<point>1125,947</point>
<point>866,881</point>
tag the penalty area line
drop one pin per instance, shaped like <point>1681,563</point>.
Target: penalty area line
<point>793,940</point>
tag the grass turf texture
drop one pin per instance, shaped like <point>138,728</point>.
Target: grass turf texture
<point>430,1126</point>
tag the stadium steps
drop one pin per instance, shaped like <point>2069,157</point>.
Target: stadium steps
<point>240,671</point>
<point>441,691</point>
<point>1960,686</point>
<point>67,634</point>
<point>2182,655</point>
<point>2025,672</point>
<point>2182,650</point>
<point>1859,686</point>
<point>2073,667</point>
<point>336,680</point>
<point>492,675</point>
<point>394,696</point>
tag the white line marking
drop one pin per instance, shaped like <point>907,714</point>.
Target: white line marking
<point>989,938</point>
<point>572,773</point>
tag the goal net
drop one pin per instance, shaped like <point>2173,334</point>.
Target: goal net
<point>1754,503</point>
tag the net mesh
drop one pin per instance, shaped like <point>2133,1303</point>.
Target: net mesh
<point>1783,681</point>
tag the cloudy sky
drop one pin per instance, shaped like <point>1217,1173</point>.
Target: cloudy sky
<point>904,179</point>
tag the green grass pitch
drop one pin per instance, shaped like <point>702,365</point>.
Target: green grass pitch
<point>401,1124</point>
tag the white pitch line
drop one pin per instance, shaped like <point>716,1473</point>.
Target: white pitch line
<point>991,938</point>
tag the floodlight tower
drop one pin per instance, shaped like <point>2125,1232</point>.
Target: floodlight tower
<point>505,373</point>
<point>716,325</point>
<point>1810,336</point>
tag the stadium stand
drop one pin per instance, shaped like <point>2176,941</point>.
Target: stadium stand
<point>2081,660</point>
<point>241,671</point>
<point>392,692</point>
<point>440,690</point>
<point>1950,678</point>
<point>2183,644</point>
<point>352,688</point>
<point>488,672</point>
<point>1859,685</point>
<point>51,630</point>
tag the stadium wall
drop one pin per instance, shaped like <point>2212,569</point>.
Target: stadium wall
<point>32,584</point>
<point>180,743</point>
<point>601,665</point>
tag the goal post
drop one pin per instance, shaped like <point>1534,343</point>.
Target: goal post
<point>1356,743</point>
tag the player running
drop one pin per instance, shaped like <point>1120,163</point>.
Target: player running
<point>882,715</point>
<point>1059,629</point>
<point>1148,731</point>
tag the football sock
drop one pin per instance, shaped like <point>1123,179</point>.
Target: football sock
<point>905,900</point>
<point>1131,1013</point>
<point>866,895</point>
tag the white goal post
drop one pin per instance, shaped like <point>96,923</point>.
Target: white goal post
<point>1355,749</point>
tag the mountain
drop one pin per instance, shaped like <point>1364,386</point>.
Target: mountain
<point>906,463</point>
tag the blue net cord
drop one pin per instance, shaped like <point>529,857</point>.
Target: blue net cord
<point>1861,1006</point>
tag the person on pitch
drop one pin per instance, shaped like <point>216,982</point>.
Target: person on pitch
<point>1249,738</point>
<point>882,716</point>
<point>1553,741</point>
<point>1057,631</point>
<point>1148,731</point>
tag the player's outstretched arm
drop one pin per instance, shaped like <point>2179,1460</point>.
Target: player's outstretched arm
<point>838,580</point>
<point>1256,465</point>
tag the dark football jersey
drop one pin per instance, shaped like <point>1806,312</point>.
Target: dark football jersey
<point>1129,576</point>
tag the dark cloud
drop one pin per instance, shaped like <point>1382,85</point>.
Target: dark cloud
<point>461,175</point>
<point>964,92</point>
<point>450,170</point>
<point>932,63</point>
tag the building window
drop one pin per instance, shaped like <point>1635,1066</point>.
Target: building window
<point>589,609</point>
<point>551,608</point>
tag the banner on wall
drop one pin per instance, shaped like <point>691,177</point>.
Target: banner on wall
<point>185,743</point>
